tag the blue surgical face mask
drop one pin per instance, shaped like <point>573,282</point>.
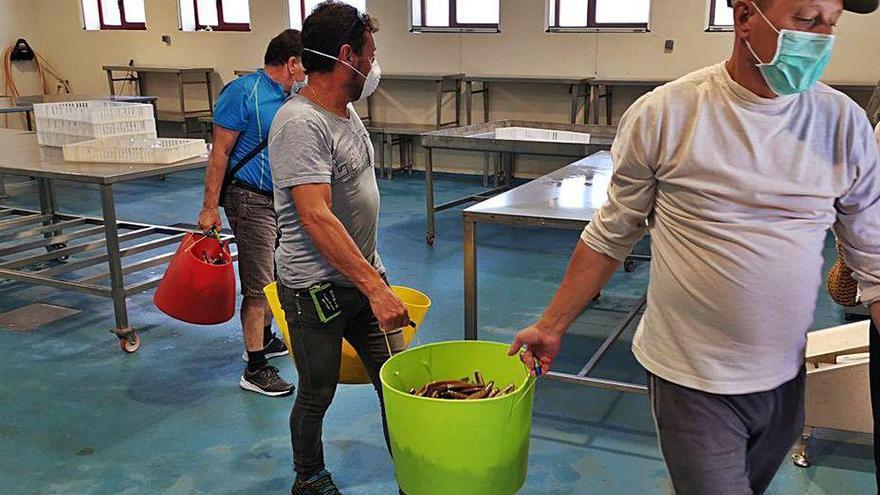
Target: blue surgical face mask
<point>298,85</point>
<point>800,60</point>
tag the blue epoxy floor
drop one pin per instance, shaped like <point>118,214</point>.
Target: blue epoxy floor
<point>77,416</point>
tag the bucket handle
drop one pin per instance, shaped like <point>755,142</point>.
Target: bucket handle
<point>210,234</point>
<point>529,384</point>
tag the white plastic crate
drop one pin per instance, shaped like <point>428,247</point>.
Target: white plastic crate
<point>547,135</point>
<point>135,150</point>
<point>69,122</point>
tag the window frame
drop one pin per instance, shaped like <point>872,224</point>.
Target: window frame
<point>222,25</point>
<point>592,25</point>
<point>716,28</point>
<point>124,24</point>
<point>454,26</point>
<point>302,12</point>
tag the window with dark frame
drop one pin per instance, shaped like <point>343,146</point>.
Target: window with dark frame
<point>456,15</point>
<point>598,14</point>
<point>720,16</point>
<point>298,10</point>
<point>114,15</point>
<point>221,19</point>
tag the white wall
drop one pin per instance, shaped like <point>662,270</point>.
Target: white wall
<point>17,21</point>
<point>522,48</point>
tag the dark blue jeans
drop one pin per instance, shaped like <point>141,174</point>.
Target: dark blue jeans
<point>317,352</point>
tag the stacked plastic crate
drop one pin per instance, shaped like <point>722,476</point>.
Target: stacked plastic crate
<point>109,132</point>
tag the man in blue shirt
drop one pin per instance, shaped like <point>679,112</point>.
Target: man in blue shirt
<point>242,118</point>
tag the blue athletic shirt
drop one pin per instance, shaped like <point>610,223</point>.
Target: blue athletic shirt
<point>248,105</point>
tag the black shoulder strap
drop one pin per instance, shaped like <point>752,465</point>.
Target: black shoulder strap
<point>250,156</point>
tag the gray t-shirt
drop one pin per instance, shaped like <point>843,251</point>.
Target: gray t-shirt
<point>309,145</point>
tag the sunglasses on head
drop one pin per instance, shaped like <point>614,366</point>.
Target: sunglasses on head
<point>346,38</point>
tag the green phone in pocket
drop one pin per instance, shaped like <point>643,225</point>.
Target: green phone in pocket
<point>326,303</point>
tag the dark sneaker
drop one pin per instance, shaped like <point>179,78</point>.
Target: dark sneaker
<point>276,348</point>
<point>265,381</point>
<point>319,484</point>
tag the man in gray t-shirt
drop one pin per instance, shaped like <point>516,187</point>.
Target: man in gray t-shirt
<point>330,278</point>
<point>314,146</point>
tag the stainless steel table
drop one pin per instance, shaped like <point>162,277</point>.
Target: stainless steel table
<point>608,85</point>
<point>403,135</point>
<point>137,73</point>
<point>25,104</point>
<point>443,84</point>
<point>30,239</point>
<point>564,199</point>
<point>578,87</point>
<point>481,138</point>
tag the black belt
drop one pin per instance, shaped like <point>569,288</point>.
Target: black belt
<point>247,187</point>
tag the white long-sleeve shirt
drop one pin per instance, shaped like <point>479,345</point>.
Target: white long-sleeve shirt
<point>738,193</point>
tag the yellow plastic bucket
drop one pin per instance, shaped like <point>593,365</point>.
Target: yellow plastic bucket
<point>351,369</point>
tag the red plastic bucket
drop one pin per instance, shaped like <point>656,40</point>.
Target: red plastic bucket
<point>195,290</point>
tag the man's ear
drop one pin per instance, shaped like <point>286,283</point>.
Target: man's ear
<point>345,51</point>
<point>742,14</point>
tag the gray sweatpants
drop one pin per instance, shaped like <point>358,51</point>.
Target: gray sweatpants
<point>725,444</point>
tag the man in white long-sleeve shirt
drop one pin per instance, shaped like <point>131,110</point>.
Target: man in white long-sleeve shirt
<point>738,171</point>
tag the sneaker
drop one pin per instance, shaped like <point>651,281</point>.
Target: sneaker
<point>319,484</point>
<point>265,381</point>
<point>276,348</point>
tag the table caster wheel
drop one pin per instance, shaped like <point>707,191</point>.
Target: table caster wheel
<point>56,247</point>
<point>629,266</point>
<point>801,460</point>
<point>430,239</point>
<point>130,343</point>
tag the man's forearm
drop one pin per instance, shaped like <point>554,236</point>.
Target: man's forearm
<point>588,271</point>
<point>214,174</point>
<point>336,245</point>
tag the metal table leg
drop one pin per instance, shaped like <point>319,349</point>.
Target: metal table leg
<point>429,196</point>
<point>457,103</point>
<point>209,85</point>
<point>29,121</point>
<point>182,96</point>
<point>110,81</point>
<point>594,104</point>
<point>470,279</point>
<point>142,85</point>
<point>609,103</point>
<point>381,156</point>
<point>485,102</point>
<point>439,103</point>
<point>575,96</point>
<point>586,89</point>
<point>486,119</point>
<point>128,339</point>
<point>468,100</point>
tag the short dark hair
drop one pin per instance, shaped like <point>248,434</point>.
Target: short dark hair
<point>330,26</point>
<point>282,47</point>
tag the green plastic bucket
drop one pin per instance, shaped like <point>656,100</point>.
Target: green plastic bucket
<point>440,447</point>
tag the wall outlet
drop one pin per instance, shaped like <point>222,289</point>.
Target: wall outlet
<point>166,38</point>
<point>669,46</point>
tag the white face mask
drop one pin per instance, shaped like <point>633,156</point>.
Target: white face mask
<point>371,80</point>
<point>298,85</point>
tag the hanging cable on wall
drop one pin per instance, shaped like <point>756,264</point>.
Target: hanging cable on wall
<point>21,51</point>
